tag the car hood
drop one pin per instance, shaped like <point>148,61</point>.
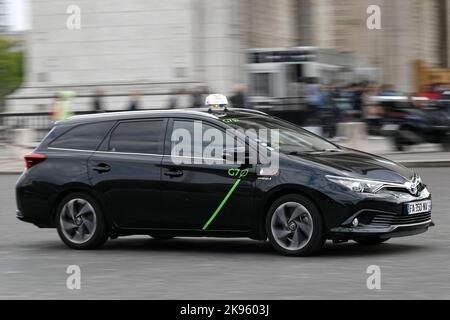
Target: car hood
<point>352,163</point>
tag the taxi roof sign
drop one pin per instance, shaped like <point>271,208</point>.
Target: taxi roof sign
<point>216,102</point>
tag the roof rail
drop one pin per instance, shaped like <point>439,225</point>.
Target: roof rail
<point>249,111</point>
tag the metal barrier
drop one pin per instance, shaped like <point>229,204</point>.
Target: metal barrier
<point>39,122</point>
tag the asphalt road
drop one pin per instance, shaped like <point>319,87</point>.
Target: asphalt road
<point>33,263</point>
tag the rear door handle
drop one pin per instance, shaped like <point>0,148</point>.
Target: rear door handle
<point>102,168</point>
<point>173,173</point>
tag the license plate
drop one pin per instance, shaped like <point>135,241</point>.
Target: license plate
<point>418,207</point>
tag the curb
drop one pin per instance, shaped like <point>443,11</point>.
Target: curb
<point>424,163</point>
<point>4,173</point>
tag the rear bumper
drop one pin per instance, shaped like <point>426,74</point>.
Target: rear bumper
<point>38,223</point>
<point>20,216</point>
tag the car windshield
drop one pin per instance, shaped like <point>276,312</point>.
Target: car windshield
<point>292,139</point>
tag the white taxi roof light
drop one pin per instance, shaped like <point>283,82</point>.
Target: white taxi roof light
<point>216,102</point>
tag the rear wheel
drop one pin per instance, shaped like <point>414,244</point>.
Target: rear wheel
<point>80,222</point>
<point>371,241</point>
<point>294,226</point>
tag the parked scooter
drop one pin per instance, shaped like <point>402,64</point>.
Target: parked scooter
<point>410,123</point>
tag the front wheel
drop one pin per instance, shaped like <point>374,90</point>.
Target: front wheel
<point>294,226</point>
<point>80,222</point>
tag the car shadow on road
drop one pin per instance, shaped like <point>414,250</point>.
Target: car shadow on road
<point>352,249</point>
<point>246,247</point>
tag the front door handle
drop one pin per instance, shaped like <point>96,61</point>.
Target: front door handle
<point>173,173</point>
<point>102,168</point>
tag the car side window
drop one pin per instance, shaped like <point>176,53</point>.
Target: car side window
<point>82,137</point>
<point>201,138</point>
<point>138,137</point>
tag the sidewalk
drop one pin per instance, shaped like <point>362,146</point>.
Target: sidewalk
<point>409,159</point>
<point>420,159</point>
<point>11,166</point>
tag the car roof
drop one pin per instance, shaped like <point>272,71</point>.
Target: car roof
<point>197,113</point>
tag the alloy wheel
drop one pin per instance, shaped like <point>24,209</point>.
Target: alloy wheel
<point>292,226</point>
<point>78,221</point>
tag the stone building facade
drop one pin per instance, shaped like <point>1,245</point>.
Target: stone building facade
<point>4,17</point>
<point>410,30</point>
<point>155,47</point>
<point>159,47</point>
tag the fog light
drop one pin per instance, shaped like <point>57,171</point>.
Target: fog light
<point>355,222</point>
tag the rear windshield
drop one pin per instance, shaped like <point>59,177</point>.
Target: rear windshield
<point>82,137</point>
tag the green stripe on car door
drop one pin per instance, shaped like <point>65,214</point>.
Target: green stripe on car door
<point>221,204</point>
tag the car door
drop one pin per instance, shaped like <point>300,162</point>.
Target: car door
<point>126,172</point>
<point>200,196</point>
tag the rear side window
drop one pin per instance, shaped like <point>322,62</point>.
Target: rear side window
<point>138,137</point>
<point>83,137</point>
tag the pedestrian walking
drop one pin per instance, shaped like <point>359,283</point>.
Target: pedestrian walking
<point>61,109</point>
<point>97,103</point>
<point>134,101</point>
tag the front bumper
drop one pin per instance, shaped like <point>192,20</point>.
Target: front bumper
<point>384,216</point>
<point>384,232</point>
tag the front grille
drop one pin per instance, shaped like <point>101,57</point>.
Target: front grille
<point>385,219</point>
<point>420,188</point>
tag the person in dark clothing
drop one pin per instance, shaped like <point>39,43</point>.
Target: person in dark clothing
<point>134,102</point>
<point>239,98</point>
<point>173,99</point>
<point>196,98</point>
<point>97,102</point>
<point>358,91</point>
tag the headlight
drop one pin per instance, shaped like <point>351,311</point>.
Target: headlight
<point>357,185</point>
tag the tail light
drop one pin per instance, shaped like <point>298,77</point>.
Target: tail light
<point>33,159</point>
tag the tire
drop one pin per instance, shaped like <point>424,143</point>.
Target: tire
<point>370,241</point>
<point>294,226</point>
<point>80,222</point>
<point>399,144</point>
<point>157,237</point>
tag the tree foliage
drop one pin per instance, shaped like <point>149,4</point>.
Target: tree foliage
<point>11,68</point>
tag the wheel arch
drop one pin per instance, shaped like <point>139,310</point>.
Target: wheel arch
<point>82,188</point>
<point>312,195</point>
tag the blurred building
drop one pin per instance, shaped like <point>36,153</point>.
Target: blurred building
<point>411,30</point>
<point>160,47</point>
<point>4,17</point>
<point>155,47</point>
<point>276,76</point>
<point>272,24</point>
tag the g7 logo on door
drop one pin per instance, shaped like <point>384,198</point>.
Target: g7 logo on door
<point>237,173</point>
